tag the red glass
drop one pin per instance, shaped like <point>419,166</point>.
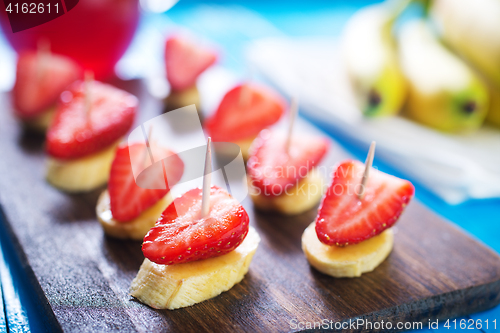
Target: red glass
<point>95,33</point>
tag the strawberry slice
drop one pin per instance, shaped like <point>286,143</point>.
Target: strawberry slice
<point>40,79</point>
<point>76,132</point>
<point>127,199</point>
<point>273,171</point>
<point>344,219</point>
<point>243,112</point>
<point>185,61</point>
<point>181,235</point>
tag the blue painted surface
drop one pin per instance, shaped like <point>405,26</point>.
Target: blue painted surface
<point>232,25</point>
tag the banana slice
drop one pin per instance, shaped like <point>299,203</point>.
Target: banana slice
<point>135,229</point>
<point>177,286</point>
<point>245,146</point>
<point>179,99</point>
<point>348,261</point>
<point>41,122</point>
<point>81,174</point>
<point>304,196</point>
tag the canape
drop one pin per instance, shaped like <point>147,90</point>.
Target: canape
<point>127,210</point>
<point>284,179</point>
<point>190,258</point>
<point>90,120</point>
<point>185,60</point>
<point>40,78</point>
<point>352,234</point>
<point>243,112</point>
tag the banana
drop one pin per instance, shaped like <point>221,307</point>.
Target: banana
<point>347,261</point>
<point>444,92</point>
<point>41,122</point>
<point>472,27</point>
<point>81,174</point>
<point>304,196</point>
<point>370,58</point>
<point>493,116</point>
<point>177,286</point>
<point>245,146</point>
<point>135,229</point>
<point>179,99</point>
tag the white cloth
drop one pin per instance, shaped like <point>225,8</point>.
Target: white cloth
<point>454,167</point>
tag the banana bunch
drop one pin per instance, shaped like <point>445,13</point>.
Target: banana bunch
<point>436,86</point>
<point>472,29</point>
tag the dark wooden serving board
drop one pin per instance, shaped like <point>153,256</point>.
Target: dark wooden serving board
<point>434,271</point>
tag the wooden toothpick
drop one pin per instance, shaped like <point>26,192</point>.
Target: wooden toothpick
<point>294,110</point>
<point>147,148</point>
<point>89,80</point>
<point>368,165</point>
<point>207,179</point>
<point>43,51</point>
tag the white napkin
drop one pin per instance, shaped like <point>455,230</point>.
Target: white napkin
<point>454,167</point>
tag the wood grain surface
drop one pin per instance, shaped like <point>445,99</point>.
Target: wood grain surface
<point>434,271</point>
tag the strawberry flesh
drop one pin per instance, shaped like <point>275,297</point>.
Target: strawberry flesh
<point>344,219</point>
<point>128,200</point>
<point>77,132</point>
<point>273,171</point>
<point>244,111</point>
<point>185,61</point>
<point>40,79</point>
<point>181,235</point>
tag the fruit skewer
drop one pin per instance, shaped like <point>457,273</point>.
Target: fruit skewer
<point>282,172</point>
<point>352,232</point>
<point>194,253</point>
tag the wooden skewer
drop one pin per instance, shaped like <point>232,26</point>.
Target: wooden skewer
<point>43,51</point>
<point>207,179</point>
<point>147,148</point>
<point>89,80</point>
<point>368,165</point>
<point>294,110</point>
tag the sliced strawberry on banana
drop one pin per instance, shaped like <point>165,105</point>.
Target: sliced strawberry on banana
<point>185,61</point>
<point>273,170</point>
<point>128,200</point>
<point>127,210</point>
<point>40,78</point>
<point>83,136</point>
<point>285,182</point>
<point>79,130</point>
<point>181,235</point>
<point>352,236</point>
<point>345,219</point>
<point>191,259</point>
<point>243,112</point>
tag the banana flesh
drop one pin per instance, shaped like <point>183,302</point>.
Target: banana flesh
<point>177,286</point>
<point>135,229</point>
<point>81,174</point>
<point>41,122</point>
<point>303,197</point>
<point>348,261</point>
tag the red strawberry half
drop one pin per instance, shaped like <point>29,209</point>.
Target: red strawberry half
<point>128,200</point>
<point>185,61</point>
<point>273,170</point>
<point>181,235</point>
<point>40,79</point>
<point>76,132</point>
<point>245,111</point>
<point>344,219</point>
